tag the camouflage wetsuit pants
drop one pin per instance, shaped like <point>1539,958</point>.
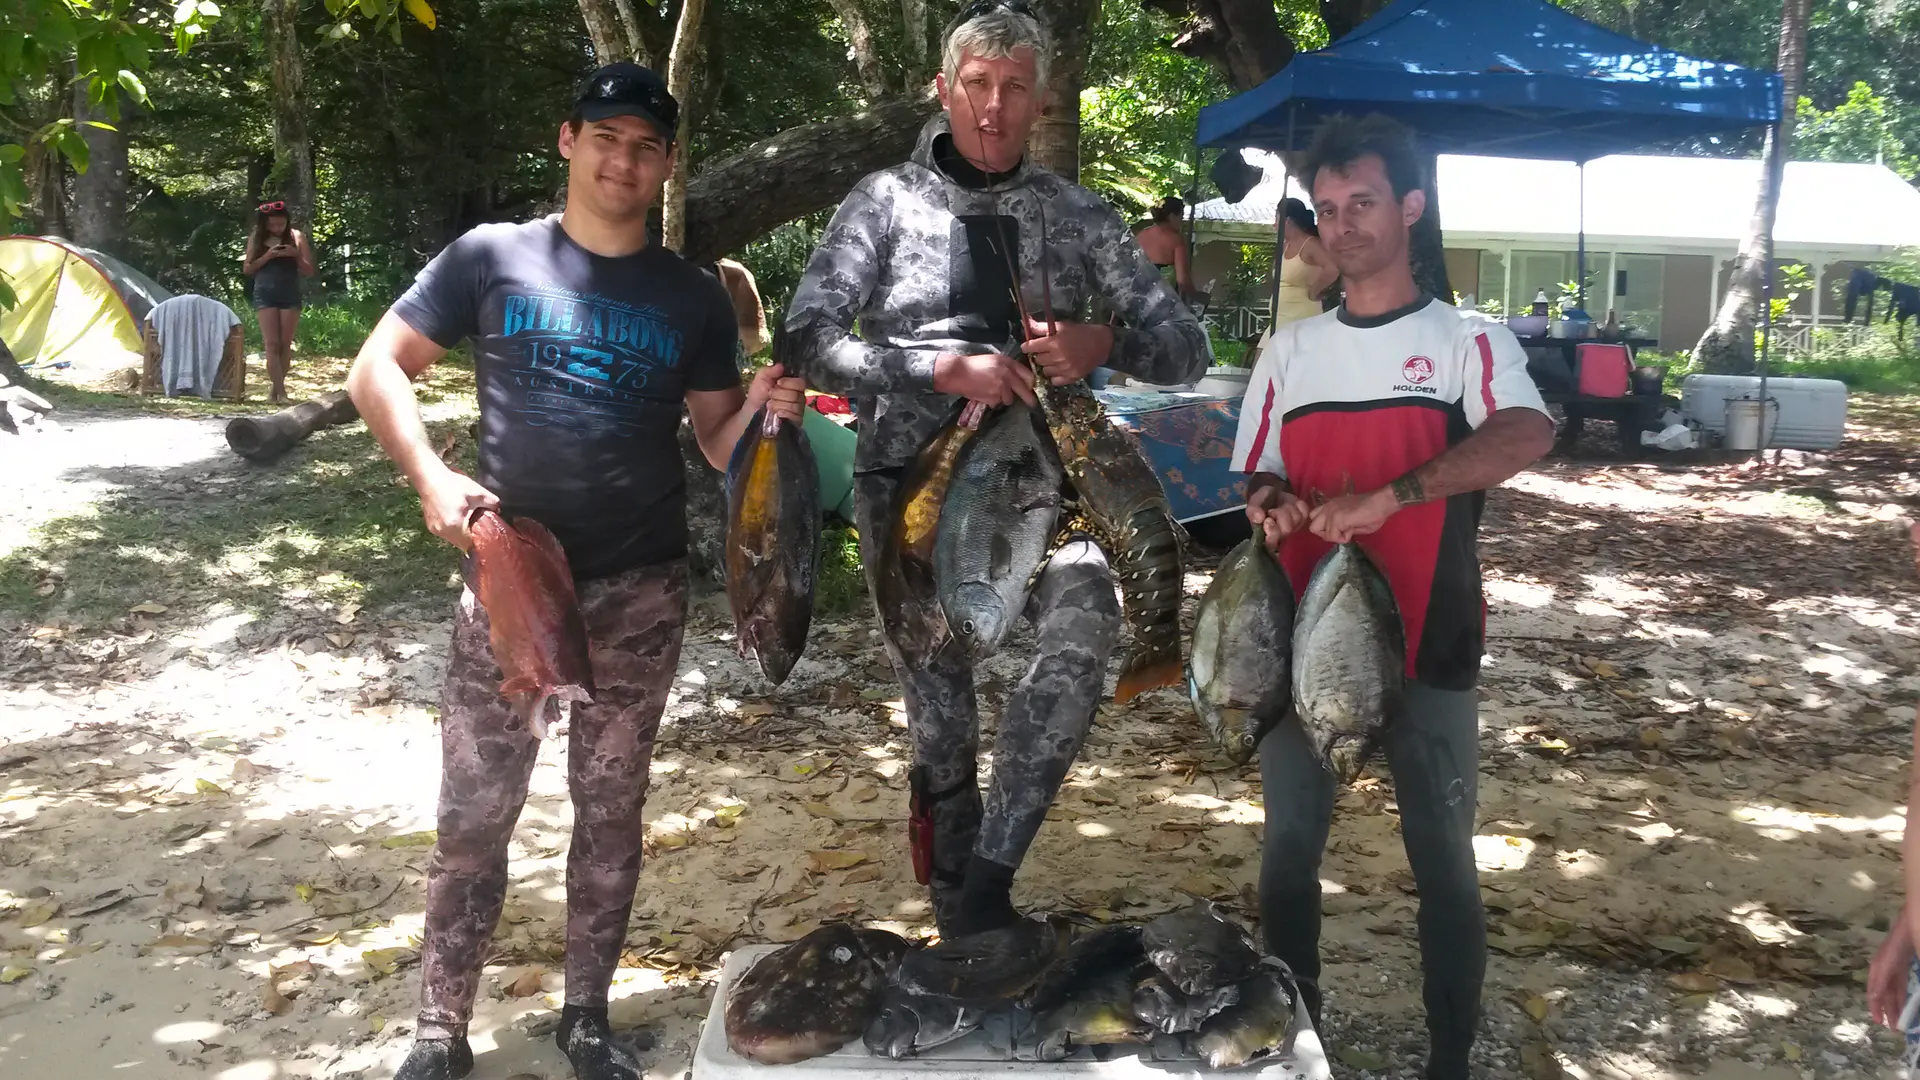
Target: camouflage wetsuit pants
<point>1076,619</point>
<point>633,622</point>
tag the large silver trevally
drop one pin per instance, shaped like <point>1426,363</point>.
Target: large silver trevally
<point>1237,670</point>
<point>996,526</point>
<point>1349,659</point>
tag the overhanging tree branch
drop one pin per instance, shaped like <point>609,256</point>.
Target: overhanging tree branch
<point>751,192</point>
<point>873,74</point>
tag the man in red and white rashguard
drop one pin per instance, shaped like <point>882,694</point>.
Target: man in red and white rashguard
<point>1383,422</point>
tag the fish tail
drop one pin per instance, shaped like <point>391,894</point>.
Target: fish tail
<point>1144,672</point>
<point>532,711</point>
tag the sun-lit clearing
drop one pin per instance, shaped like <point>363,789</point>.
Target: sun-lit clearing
<point>1862,880</point>
<point>257,1069</point>
<point>1093,829</point>
<point>1497,851</point>
<point>1766,927</point>
<point>694,677</point>
<point>1721,1018</point>
<point>187,1031</point>
<point>1196,801</point>
<point>1842,669</point>
<point>1616,590</point>
<point>1772,1007</point>
<point>1240,812</point>
<point>1599,491</point>
<point>1785,823</point>
<point>1581,863</point>
<point>1520,593</point>
<point>1594,609</point>
<point>1670,633</point>
<point>1851,1031</point>
<point>1650,834</point>
<point>660,766</point>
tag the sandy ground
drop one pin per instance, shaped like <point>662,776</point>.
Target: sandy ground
<point>1694,742</point>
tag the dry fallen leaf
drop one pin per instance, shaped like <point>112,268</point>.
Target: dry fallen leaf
<point>863,793</point>
<point>185,944</point>
<point>148,608</point>
<point>671,839</point>
<point>1605,670</point>
<point>1790,1050</point>
<point>1731,969</point>
<point>347,612</point>
<point>1693,982</point>
<point>822,861</point>
<point>524,983</point>
<point>388,961</point>
<point>304,892</point>
<point>317,938</point>
<point>423,838</point>
<point>862,875</point>
<point>822,810</point>
<point>1516,943</point>
<point>208,787</point>
<point>101,901</point>
<point>1536,1007</point>
<point>727,815</point>
<point>37,913</point>
<point>376,1023</point>
<point>1167,841</point>
<point>13,973</point>
<point>1361,1059</point>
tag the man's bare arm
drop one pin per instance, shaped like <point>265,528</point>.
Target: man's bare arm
<point>1509,441</point>
<point>381,385</point>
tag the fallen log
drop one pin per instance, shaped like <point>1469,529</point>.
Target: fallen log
<point>264,438</point>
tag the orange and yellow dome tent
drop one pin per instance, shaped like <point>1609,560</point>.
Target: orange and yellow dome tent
<point>73,305</point>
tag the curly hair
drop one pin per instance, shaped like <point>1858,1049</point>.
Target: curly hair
<point>1342,139</point>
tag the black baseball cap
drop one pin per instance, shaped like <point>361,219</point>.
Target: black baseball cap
<point>627,89</point>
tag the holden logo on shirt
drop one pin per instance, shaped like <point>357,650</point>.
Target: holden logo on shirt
<point>1417,369</point>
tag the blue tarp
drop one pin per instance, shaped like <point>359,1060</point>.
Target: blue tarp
<point>1516,78</point>
<point>1188,439</point>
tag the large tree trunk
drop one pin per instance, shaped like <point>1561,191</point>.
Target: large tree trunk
<point>1055,142</point>
<point>1727,346</point>
<point>749,193</point>
<point>292,148</point>
<point>686,53</point>
<point>866,60</point>
<point>913,25</point>
<point>100,194</point>
<point>1425,247</point>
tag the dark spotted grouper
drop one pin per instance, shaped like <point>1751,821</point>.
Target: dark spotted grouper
<point>1122,503</point>
<point>519,573</point>
<point>773,541</point>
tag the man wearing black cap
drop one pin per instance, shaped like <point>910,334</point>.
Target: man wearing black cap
<point>586,340</point>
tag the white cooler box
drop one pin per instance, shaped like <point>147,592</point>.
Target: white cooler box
<point>1813,412</point>
<point>971,1058</point>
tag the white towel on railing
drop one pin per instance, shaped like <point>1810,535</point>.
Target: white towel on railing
<point>193,335</point>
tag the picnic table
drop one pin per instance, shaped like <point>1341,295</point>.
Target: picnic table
<point>1630,415</point>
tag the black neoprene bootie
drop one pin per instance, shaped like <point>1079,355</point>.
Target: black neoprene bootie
<point>587,1040</point>
<point>987,901</point>
<point>437,1059</point>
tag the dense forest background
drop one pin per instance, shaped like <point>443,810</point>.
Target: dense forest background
<point>394,128</point>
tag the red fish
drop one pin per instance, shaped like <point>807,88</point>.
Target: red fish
<point>520,574</point>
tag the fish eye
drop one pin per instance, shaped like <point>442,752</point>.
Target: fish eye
<point>967,627</point>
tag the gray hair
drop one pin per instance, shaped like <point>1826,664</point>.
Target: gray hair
<point>997,34</point>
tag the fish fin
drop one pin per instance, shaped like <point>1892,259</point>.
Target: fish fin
<point>1150,676</point>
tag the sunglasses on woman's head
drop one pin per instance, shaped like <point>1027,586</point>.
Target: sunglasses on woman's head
<point>273,208</point>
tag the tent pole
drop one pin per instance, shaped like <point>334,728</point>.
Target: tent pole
<point>1766,317</point>
<point>1279,223</point>
<point>1580,275</point>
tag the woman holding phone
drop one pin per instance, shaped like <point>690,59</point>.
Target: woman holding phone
<point>278,256</point>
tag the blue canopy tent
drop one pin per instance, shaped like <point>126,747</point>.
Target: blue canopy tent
<point>1514,78</point>
<point>1519,78</point>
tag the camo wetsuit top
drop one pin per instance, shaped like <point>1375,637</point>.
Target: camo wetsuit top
<point>917,257</point>
<point>582,363</point>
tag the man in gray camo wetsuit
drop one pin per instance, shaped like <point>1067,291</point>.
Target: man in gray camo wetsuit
<point>917,256</point>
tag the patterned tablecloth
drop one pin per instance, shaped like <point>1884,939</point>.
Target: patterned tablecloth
<point>1188,438</point>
